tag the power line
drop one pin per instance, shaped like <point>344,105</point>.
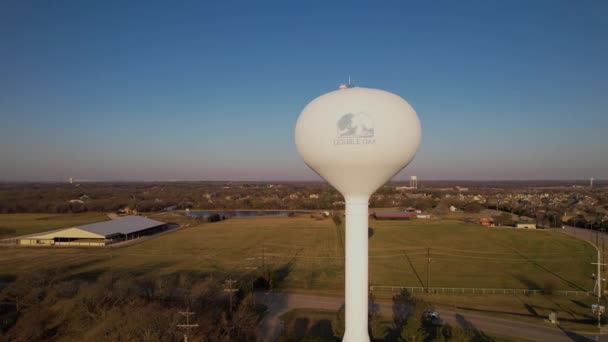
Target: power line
<point>212,256</point>
<point>509,259</point>
<point>498,253</point>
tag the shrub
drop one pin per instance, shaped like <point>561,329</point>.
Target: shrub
<point>337,219</point>
<point>549,287</point>
<point>337,325</point>
<point>214,218</point>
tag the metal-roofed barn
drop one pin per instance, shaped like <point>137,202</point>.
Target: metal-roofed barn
<point>97,234</point>
<point>394,215</point>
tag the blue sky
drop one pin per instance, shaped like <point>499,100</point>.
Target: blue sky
<point>202,91</point>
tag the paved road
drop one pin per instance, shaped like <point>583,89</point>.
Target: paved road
<point>281,303</point>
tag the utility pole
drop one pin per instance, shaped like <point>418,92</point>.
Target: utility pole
<point>265,271</point>
<point>252,269</point>
<point>187,326</point>
<point>228,287</point>
<point>111,268</point>
<point>428,270</point>
<point>598,285</point>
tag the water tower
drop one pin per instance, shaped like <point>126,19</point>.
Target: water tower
<point>357,139</point>
<point>414,182</point>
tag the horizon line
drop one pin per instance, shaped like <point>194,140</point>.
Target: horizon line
<point>586,180</point>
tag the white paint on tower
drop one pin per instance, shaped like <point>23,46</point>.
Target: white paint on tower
<point>357,139</point>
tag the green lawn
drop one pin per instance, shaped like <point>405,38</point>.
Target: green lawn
<point>464,255</point>
<point>24,224</point>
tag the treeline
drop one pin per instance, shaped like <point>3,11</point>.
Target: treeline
<point>552,218</point>
<point>46,306</point>
<point>154,197</point>
<point>412,322</point>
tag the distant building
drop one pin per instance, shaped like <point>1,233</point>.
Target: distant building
<point>318,216</point>
<point>567,218</point>
<point>526,225</point>
<point>413,210</point>
<point>486,222</point>
<point>97,234</point>
<point>314,196</point>
<point>127,211</point>
<point>453,208</point>
<point>393,215</point>
<point>414,182</point>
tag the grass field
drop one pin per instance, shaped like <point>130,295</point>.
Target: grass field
<point>464,255</point>
<point>307,256</point>
<point>24,224</point>
<point>309,253</point>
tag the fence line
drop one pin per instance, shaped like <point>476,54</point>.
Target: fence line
<point>472,290</point>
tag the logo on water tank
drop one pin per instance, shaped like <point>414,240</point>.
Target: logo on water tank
<point>355,129</point>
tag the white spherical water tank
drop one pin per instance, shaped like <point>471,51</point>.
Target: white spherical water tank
<point>357,139</point>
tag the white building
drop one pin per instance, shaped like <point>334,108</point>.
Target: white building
<point>96,234</point>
